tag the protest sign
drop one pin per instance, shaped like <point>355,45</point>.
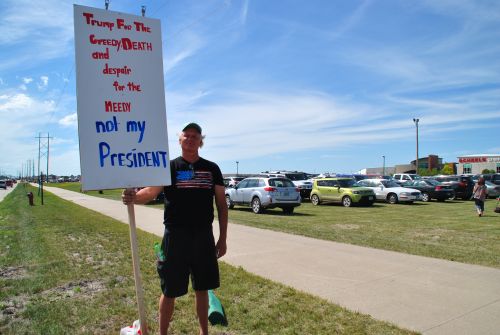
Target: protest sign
<point>122,124</point>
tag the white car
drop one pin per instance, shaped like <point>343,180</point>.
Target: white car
<point>390,191</point>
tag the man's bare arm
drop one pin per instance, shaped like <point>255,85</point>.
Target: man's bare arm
<point>143,196</point>
<point>222,213</point>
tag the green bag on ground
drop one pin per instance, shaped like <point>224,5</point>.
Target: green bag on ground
<point>216,314</point>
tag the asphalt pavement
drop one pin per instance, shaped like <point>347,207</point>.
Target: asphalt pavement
<point>4,192</point>
<point>429,295</point>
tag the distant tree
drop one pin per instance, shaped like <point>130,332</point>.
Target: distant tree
<point>423,172</point>
<point>487,171</point>
<point>427,172</point>
<point>447,169</point>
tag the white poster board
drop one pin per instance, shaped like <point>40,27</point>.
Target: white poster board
<point>122,124</point>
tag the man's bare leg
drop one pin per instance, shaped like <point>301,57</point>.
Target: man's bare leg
<point>166,311</point>
<point>202,310</point>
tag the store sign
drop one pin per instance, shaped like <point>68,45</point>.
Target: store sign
<point>472,160</point>
<point>479,159</point>
<point>122,125</point>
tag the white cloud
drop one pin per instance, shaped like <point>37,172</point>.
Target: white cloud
<point>36,30</point>
<point>27,80</point>
<point>25,18</point>
<point>23,114</point>
<point>23,87</point>
<point>69,120</point>
<point>351,20</point>
<point>186,47</point>
<point>65,162</point>
<point>260,124</point>
<point>44,80</point>
<point>244,12</point>
<point>43,83</point>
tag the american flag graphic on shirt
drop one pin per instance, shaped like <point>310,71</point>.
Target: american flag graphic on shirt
<point>194,179</point>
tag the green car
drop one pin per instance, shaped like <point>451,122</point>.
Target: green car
<point>344,190</point>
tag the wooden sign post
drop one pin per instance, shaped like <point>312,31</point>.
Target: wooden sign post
<point>137,272</point>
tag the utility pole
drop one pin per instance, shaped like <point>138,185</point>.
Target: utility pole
<point>383,166</point>
<point>416,161</point>
<point>48,152</point>
<point>41,145</point>
<point>39,180</point>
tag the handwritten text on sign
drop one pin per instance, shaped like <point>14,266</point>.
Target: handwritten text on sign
<point>121,100</point>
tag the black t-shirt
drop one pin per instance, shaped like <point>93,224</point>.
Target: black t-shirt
<point>189,200</point>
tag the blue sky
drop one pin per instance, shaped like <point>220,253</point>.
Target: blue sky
<point>300,85</point>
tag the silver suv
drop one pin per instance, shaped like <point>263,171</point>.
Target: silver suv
<point>261,193</point>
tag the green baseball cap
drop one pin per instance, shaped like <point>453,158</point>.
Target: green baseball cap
<point>192,125</point>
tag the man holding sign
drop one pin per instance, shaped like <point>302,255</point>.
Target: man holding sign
<point>188,243</point>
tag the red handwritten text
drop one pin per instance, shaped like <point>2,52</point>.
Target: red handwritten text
<point>130,85</point>
<point>117,107</point>
<point>116,70</point>
<point>124,43</point>
<point>92,22</point>
<point>139,26</point>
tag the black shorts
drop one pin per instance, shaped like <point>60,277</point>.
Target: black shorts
<point>188,253</point>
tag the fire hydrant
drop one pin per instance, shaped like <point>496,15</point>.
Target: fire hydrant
<point>30,198</point>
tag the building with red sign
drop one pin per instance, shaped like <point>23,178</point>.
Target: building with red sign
<point>475,164</point>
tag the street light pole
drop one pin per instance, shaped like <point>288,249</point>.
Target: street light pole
<point>237,168</point>
<point>416,161</point>
<point>383,166</point>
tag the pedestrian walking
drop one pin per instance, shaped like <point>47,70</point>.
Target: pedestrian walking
<point>479,194</point>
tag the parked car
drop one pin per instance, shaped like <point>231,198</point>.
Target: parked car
<point>232,181</point>
<point>3,184</point>
<point>493,189</point>
<point>402,178</point>
<point>262,192</point>
<point>493,178</point>
<point>300,179</point>
<point>343,190</point>
<point>462,185</point>
<point>9,182</point>
<point>390,191</point>
<point>431,189</point>
<point>378,176</point>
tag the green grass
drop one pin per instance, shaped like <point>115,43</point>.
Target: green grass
<point>67,270</point>
<point>449,230</point>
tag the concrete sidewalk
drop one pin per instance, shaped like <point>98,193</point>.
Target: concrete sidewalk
<point>428,295</point>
